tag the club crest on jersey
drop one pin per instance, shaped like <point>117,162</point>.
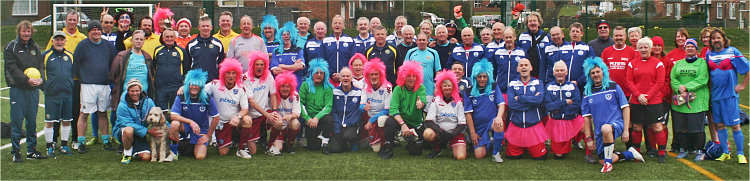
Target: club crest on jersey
<point>66,58</point>
<point>33,52</point>
<point>235,91</point>
<point>568,94</point>
<point>380,92</point>
<point>532,89</point>
<point>554,93</point>
<point>174,54</point>
<point>346,44</point>
<point>580,52</point>
<point>608,96</point>
<point>458,54</point>
<point>492,97</point>
<point>202,108</point>
<point>516,87</point>
<point>211,46</point>
<point>476,54</point>
<point>387,51</point>
<point>354,99</point>
<point>461,87</point>
<point>474,101</point>
<point>184,108</point>
<point>338,97</point>
<point>453,104</point>
<point>429,57</point>
<point>518,59</point>
<point>312,49</point>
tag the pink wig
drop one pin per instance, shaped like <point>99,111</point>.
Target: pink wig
<point>230,64</point>
<point>447,75</point>
<point>357,56</point>
<point>410,68</point>
<point>252,58</point>
<point>375,65</point>
<point>159,15</point>
<point>286,78</point>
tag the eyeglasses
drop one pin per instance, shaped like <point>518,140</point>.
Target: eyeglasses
<point>603,27</point>
<point>109,22</point>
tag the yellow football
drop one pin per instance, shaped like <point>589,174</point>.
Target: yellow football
<point>33,73</point>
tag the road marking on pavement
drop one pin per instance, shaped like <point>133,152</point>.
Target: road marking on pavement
<point>695,167</point>
<point>744,106</point>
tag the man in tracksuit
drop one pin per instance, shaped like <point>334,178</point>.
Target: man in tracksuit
<point>58,66</point>
<point>506,60</point>
<point>387,53</point>
<point>170,63</point>
<point>21,54</point>
<point>206,51</point>
<point>346,113</point>
<point>314,47</point>
<point>337,48</point>
<point>526,133</point>
<point>534,40</point>
<point>572,53</point>
<point>469,52</point>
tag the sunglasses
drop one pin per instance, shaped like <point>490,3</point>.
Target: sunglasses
<point>603,27</point>
<point>109,22</point>
<point>124,17</point>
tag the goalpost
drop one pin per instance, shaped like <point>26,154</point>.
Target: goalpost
<point>92,11</point>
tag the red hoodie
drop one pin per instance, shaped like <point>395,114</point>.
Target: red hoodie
<point>646,77</point>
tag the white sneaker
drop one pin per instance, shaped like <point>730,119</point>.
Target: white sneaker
<point>171,157</point>
<point>636,155</point>
<point>273,151</point>
<point>607,167</point>
<point>244,153</point>
<point>74,145</point>
<point>497,158</point>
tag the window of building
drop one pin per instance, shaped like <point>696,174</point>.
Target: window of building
<point>230,3</point>
<point>25,7</point>
<point>351,9</point>
<point>477,3</point>
<point>719,10</point>
<point>669,9</point>
<point>677,11</point>
<point>732,11</point>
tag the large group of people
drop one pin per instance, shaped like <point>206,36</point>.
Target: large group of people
<point>520,93</point>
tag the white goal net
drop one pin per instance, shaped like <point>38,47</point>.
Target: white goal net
<point>93,11</point>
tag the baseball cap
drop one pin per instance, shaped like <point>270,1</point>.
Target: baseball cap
<point>58,33</point>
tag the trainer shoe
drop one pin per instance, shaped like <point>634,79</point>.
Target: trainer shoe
<point>434,153</point>
<point>51,152</point>
<point>171,157</point>
<point>577,145</point>
<point>324,149</point>
<point>591,159</point>
<point>17,158</point>
<point>82,149</point>
<point>741,159</point>
<point>724,156</point>
<point>661,158</point>
<point>386,152</point>
<point>108,147</point>
<point>92,141</point>
<point>636,155</point>
<point>66,150</point>
<point>74,144</point>
<point>699,156</point>
<point>682,154</point>
<point>497,158</point>
<point>652,152</point>
<point>244,153</point>
<point>273,151</point>
<point>125,159</point>
<point>607,167</point>
<point>35,155</point>
<point>289,148</point>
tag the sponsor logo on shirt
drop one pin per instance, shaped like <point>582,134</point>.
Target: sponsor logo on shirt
<point>227,100</point>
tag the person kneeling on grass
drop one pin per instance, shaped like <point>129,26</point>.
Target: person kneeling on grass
<point>445,119</point>
<point>283,136</point>
<point>606,106</point>
<point>316,97</point>
<point>377,95</point>
<point>484,107</point>
<point>563,101</point>
<point>194,118</point>
<point>346,113</point>
<point>525,133</point>
<point>407,103</point>
<point>131,126</point>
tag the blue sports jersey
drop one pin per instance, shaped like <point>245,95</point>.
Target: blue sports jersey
<point>555,100</point>
<point>724,67</point>
<point>361,45</point>
<point>485,107</point>
<point>313,49</point>
<point>468,57</point>
<point>526,111</point>
<point>505,62</point>
<point>288,57</point>
<point>198,112</point>
<point>430,61</point>
<point>337,51</point>
<point>604,106</point>
<point>271,47</point>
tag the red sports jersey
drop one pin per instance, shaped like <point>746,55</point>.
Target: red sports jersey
<point>703,52</point>
<point>669,61</point>
<point>617,60</point>
<point>646,77</point>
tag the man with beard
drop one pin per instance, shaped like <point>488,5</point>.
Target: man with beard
<point>151,41</point>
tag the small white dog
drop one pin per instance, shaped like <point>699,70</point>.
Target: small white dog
<point>157,120</point>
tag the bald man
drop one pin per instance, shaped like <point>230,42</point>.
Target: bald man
<point>468,52</point>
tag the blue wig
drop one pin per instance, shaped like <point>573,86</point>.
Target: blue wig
<point>195,77</point>
<point>589,64</point>
<point>315,65</point>
<point>293,33</point>
<point>270,20</point>
<point>483,66</point>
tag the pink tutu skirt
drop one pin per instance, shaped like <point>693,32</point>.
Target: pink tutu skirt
<point>564,130</point>
<point>526,137</point>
